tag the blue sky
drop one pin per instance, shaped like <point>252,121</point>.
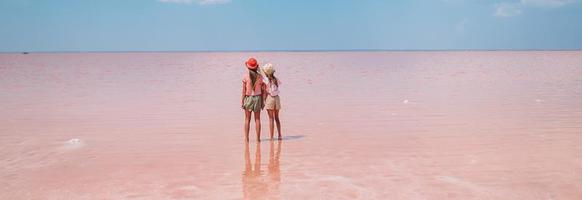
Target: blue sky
<point>230,25</point>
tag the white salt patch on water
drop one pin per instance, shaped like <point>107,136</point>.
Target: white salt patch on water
<point>405,101</point>
<point>74,143</point>
<point>539,101</point>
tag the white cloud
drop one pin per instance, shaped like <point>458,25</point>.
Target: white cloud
<point>454,1</point>
<point>201,2</point>
<point>206,2</point>
<point>507,9</point>
<point>547,3</point>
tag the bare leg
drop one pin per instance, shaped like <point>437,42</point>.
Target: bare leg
<point>271,122</point>
<point>247,124</point>
<point>258,125</point>
<point>276,114</point>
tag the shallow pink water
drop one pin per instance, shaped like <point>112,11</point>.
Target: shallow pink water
<point>357,125</point>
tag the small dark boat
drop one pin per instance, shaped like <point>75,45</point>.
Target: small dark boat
<point>24,52</point>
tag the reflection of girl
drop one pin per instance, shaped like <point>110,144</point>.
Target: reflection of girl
<point>253,186</point>
<point>256,186</point>
<point>272,102</point>
<point>253,96</point>
<point>274,171</point>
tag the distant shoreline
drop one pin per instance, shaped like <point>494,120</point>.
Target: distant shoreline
<point>295,51</point>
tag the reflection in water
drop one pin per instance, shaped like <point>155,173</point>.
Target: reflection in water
<point>256,186</point>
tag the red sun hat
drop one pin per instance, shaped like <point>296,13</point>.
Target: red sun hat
<point>252,63</point>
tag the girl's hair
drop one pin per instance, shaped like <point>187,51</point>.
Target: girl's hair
<point>253,76</point>
<point>273,79</point>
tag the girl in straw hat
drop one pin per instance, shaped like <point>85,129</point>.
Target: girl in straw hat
<point>253,96</point>
<point>272,102</point>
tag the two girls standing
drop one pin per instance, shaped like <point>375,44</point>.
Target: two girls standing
<point>260,91</point>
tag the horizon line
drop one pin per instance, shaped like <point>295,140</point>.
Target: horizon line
<point>305,50</point>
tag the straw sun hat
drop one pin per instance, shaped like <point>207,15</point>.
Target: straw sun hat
<point>268,69</point>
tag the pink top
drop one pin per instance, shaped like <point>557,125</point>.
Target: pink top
<point>272,89</point>
<point>247,84</point>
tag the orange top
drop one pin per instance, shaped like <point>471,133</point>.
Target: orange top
<point>258,85</point>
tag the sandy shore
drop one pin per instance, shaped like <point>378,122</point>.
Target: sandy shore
<point>357,125</point>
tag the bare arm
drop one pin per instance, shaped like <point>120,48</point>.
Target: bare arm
<point>242,98</point>
<point>264,92</point>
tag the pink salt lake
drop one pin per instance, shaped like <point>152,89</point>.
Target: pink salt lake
<point>357,125</point>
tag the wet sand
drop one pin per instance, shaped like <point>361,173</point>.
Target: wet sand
<point>357,125</point>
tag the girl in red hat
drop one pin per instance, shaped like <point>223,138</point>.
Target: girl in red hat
<point>253,96</point>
